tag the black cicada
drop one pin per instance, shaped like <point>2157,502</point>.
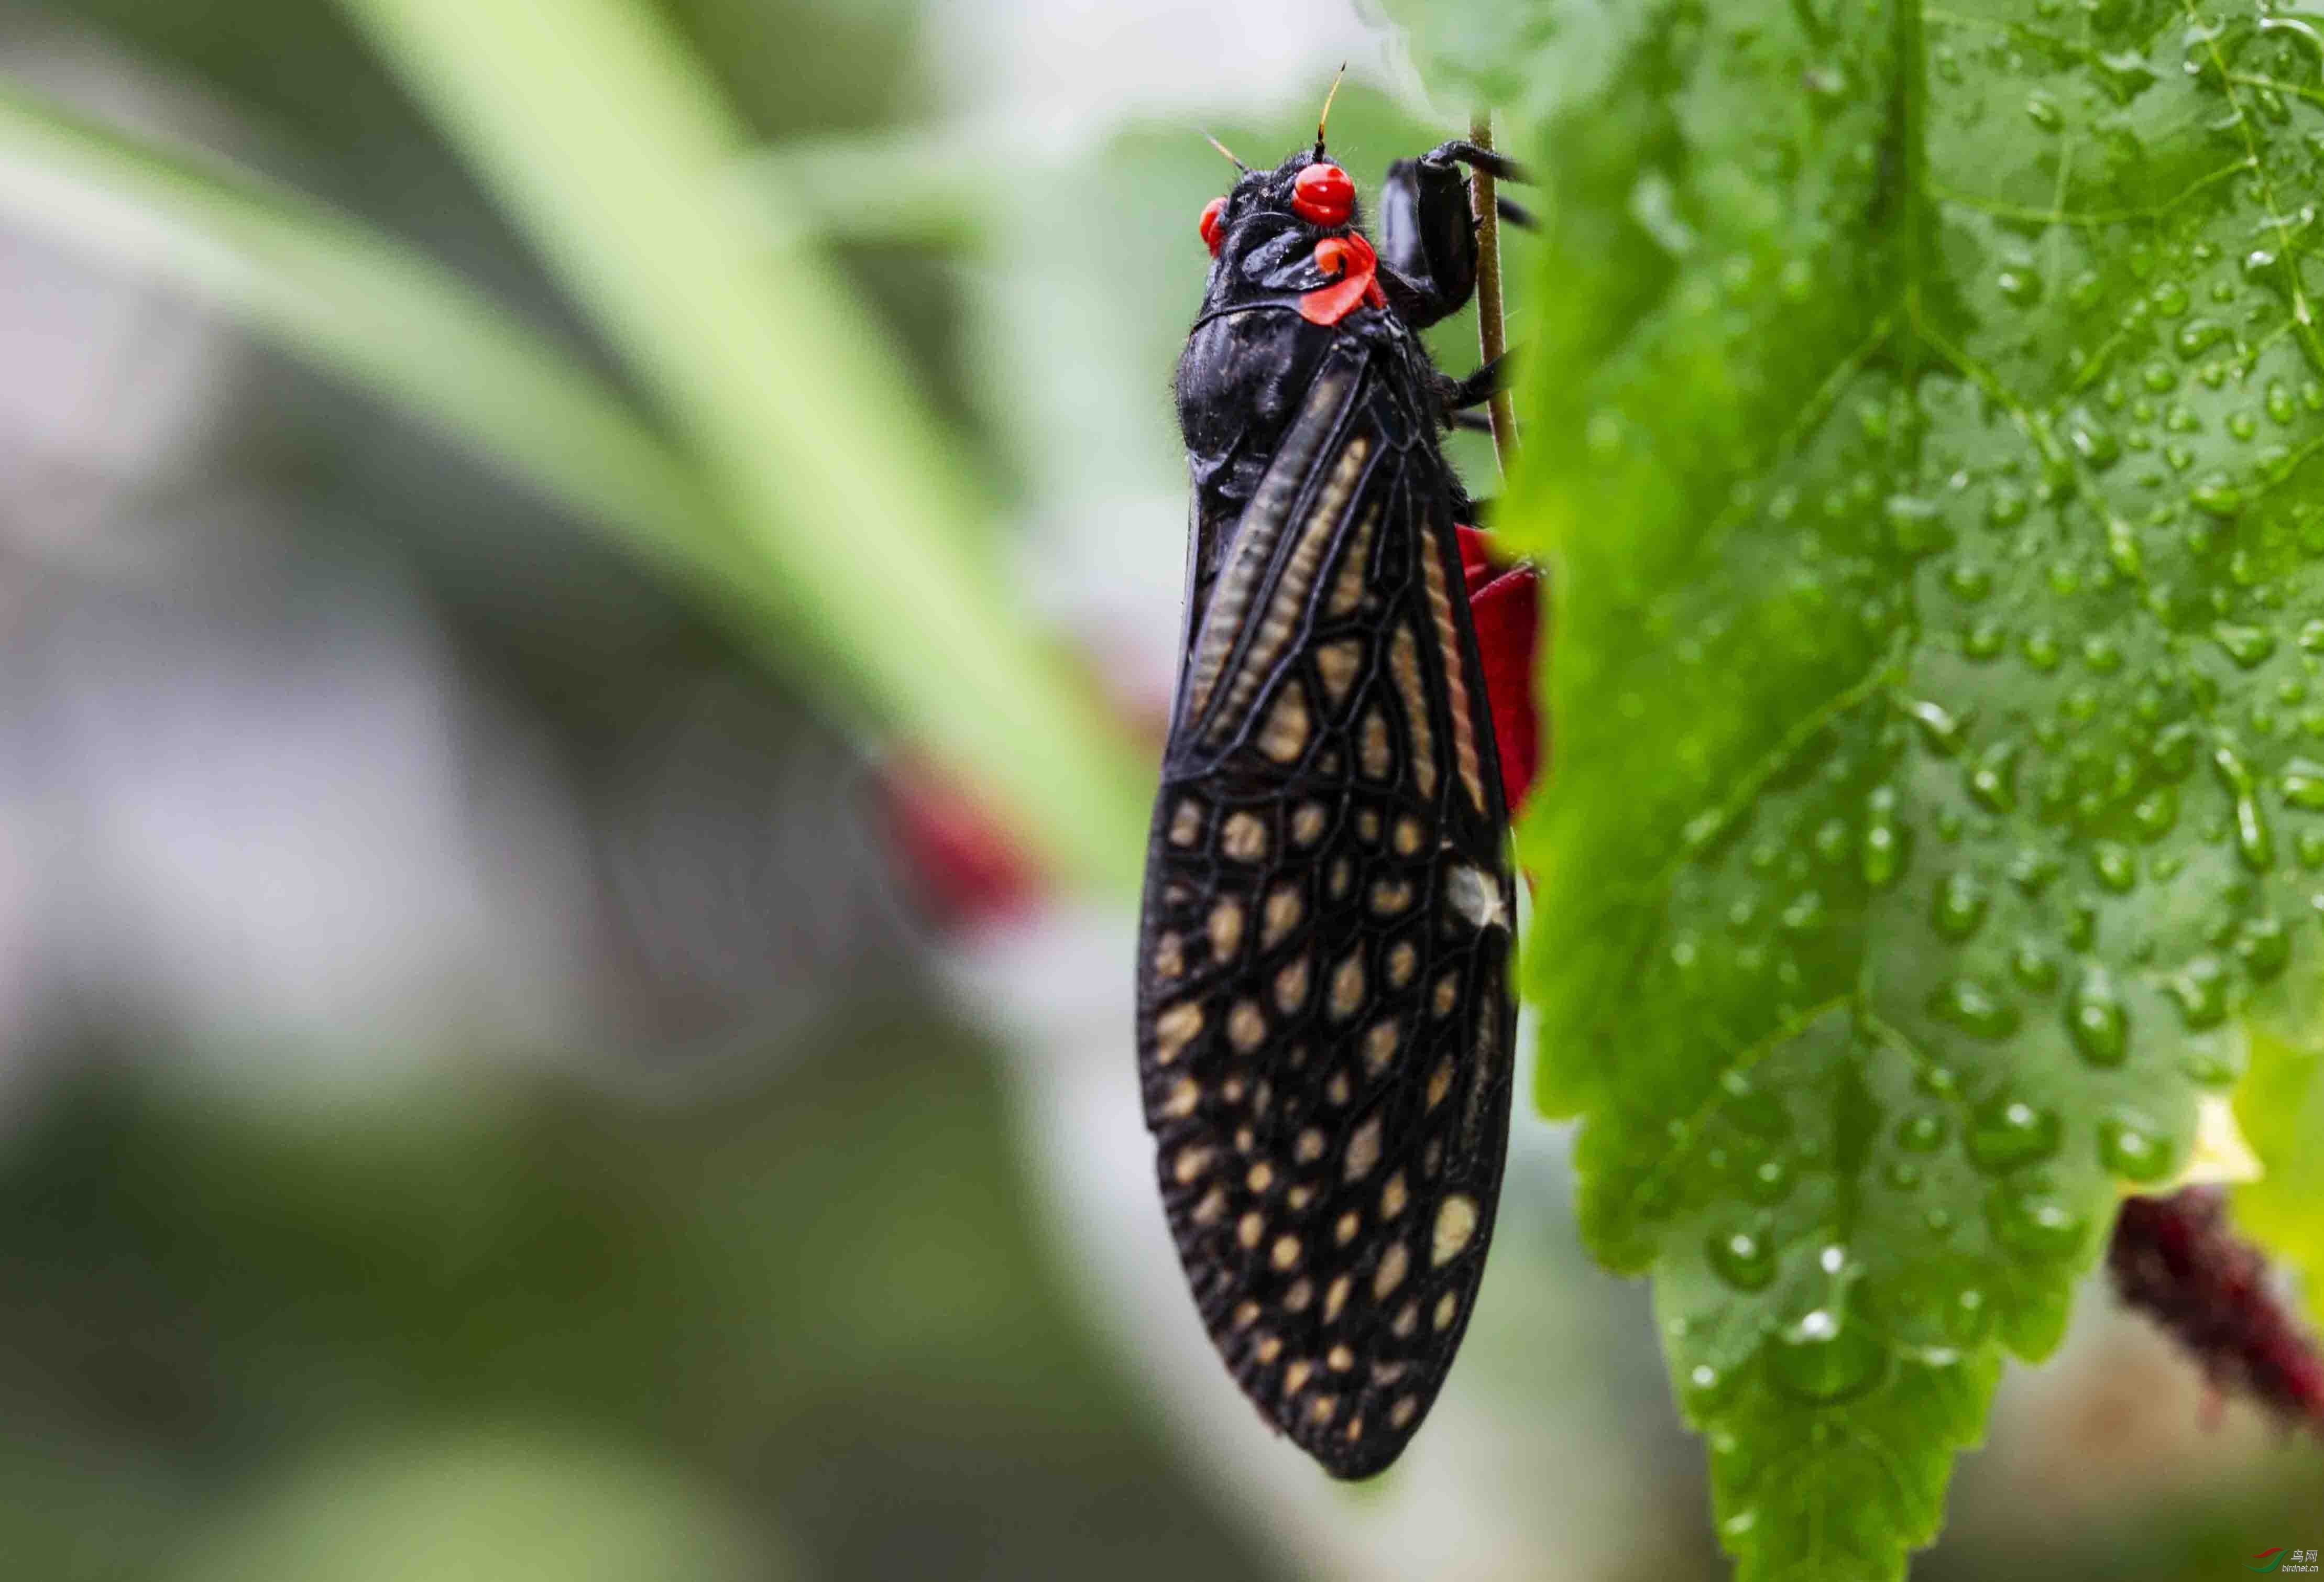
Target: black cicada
<point>1325,1014</point>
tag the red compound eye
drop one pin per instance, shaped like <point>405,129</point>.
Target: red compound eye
<point>1213,232</point>
<point>1323,194</point>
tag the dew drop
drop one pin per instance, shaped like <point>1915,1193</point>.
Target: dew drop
<point>2131,1148</point>
<point>2216,495</point>
<point>2031,965</point>
<point>1824,1355</point>
<point>1961,901</point>
<point>1924,1133</point>
<point>2200,991</point>
<point>2303,784</point>
<point>1942,729</point>
<point>1968,1318</point>
<point>2115,865</point>
<point>2092,440</point>
<point>2264,946</point>
<point>1974,1007</point>
<point>2154,814</point>
<point>2096,1019</point>
<point>2034,1218</point>
<point>1743,1259</point>
<point>2006,1133</point>
<point>1992,779</point>
<point>1769,1183</point>
<point>2248,645</point>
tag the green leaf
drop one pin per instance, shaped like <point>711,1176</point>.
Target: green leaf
<point>2280,1106</point>
<point>1923,434</point>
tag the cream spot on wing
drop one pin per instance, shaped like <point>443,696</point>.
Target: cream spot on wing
<point>1447,1307</point>
<point>1448,993</point>
<point>1283,910</point>
<point>1243,837</point>
<point>1404,663</point>
<point>1337,1090</point>
<point>1190,1164</point>
<point>1249,1229</point>
<point>1233,1089</point>
<point>1388,1373</point>
<point>1363,1150</point>
<point>1348,986</point>
<point>1244,1139</point>
<point>1184,1096</point>
<point>1345,1230</point>
<point>1309,1148</point>
<point>1403,961</point>
<point>1299,1197</point>
<point>1284,736</point>
<point>1456,1223</point>
<point>1343,875</point>
<point>1402,1411</point>
<point>1174,1028</point>
<point>1393,1196</point>
<point>1259,1177</point>
<point>1392,1265</point>
<point>1291,986</point>
<point>1367,826</point>
<point>1409,835</point>
<point>1390,896</point>
<point>1169,956</point>
<point>1348,583</point>
<point>1372,751</point>
<point>1268,1350</point>
<point>1355,1430</point>
<point>1285,1252</point>
<point>1186,822</point>
<point>1379,1046</point>
<point>1307,823</point>
<point>1337,664</point>
<point>1473,895</point>
<point>1246,1029</point>
<point>1407,1319</point>
<point>1213,1204</point>
<point>1246,1314</point>
<point>1226,929</point>
<point>1321,1408</point>
<point>1301,1293</point>
<point>1339,1359</point>
<point>1295,1377</point>
<point>1336,1297</point>
<point>1440,1081</point>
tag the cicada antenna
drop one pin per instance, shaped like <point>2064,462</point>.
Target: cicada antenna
<point>1326,115</point>
<point>1223,149</point>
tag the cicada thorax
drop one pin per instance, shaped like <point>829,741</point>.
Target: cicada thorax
<point>1324,1014</point>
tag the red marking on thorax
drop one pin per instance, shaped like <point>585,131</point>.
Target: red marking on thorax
<point>1352,260</point>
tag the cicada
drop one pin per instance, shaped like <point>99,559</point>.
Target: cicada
<point>1325,1019</point>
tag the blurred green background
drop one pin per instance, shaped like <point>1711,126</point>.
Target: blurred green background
<point>500,1079</point>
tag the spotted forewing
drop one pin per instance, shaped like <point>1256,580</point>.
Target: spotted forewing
<point>1324,1017</point>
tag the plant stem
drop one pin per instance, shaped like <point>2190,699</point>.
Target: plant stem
<point>1492,337</point>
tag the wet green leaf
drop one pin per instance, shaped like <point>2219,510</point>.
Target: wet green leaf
<point>1922,428</point>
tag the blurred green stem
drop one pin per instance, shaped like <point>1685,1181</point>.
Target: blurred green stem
<point>613,148</point>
